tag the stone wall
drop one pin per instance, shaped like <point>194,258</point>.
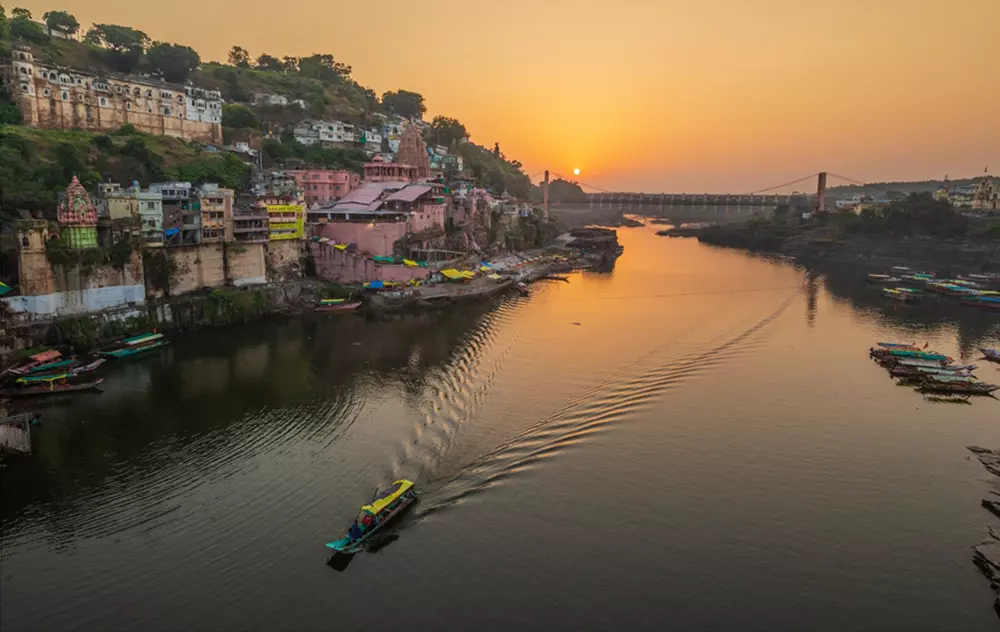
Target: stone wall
<point>204,266</point>
<point>338,266</point>
<point>284,260</point>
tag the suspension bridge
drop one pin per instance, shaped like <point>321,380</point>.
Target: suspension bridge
<point>747,202</point>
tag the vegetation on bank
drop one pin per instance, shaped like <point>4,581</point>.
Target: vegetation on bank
<point>37,164</point>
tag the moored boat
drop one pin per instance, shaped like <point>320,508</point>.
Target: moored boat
<point>44,361</point>
<point>337,305</point>
<point>890,354</point>
<point>882,278</point>
<point>977,388</point>
<point>897,345</point>
<point>900,294</point>
<point>522,287</point>
<point>80,369</point>
<point>135,344</point>
<point>372,517</point>
<point>53,386</point>
<point>993,355</point>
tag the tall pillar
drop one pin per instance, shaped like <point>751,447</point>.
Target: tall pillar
<point>821,192</point>
<point>545,196</point>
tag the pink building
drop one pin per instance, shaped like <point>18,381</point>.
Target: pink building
<point>322,186</point>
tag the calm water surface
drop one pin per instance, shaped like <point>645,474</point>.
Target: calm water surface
<point>695,441</point>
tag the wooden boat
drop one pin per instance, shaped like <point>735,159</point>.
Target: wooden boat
<point>52,387</point>
<point>882,278</point>
<point>897,345</point>
<point>899,294</point>
<point>44,361</point>
<point>987,302</point>
<point>135,344</point>
<point>383,509</point>
<point>889,355</point>
<point>337,305</point>
<point>977,388</point>
<point>82,369</point>
<point>913,371</point>
<point>941,379</point>
<point>993,355</point>
<point>523,288</point>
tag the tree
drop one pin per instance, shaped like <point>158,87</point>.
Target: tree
<point>405,103</point>
<point>61,21</point>
<point>269,62</point>
<point>125,45</point>
<point>239,116</point>
<point>22,26</point>
<point>323,67</point>
<point>10,114</point>
<point>289,64</point>
<point>496,150</point>
<point>239,57</point>
<point>447,131</point>
<point>173,62</point>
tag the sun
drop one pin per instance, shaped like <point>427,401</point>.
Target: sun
<point>576,171</point>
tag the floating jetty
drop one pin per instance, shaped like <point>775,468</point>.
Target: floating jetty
<point>986,554</point>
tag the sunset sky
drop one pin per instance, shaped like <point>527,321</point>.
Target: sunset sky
<point>651,95</point>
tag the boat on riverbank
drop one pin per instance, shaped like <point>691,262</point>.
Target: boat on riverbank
<point>40,362</point>
<point>72,372</point>
<point>54,386</point>
<point>879,279</point>
<point>993,355</point>
<point>337,306</point>
<point>134,345</point>
<point>384,508</point>
<point>904,295</point>
<point>975,388</point>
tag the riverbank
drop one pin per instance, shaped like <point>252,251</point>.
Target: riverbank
<point>819,241</point>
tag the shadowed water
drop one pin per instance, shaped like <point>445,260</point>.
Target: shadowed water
<point>694,441</point>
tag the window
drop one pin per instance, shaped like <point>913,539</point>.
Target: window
<point>128,106</point>
<point>23,70</point>
<point>24,242</point>
<point>65,96</point>
<point>79,81</point>
<point>150,205</point>
<point>24,87</point>
<point>137,92</point>
<point>118,89</point>
<point>103,102</point>
<point>180,99</point>
<point>47,92</point>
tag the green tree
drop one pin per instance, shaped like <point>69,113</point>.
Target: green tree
<point>239,57</point>
<point>323,67</point>
<point>10,114</point>
<point>62,21</point>
<point>239,117</point>
<point>22,27</point>
<point>269,62</point>
<point>404,103</point>
<point>289,64</point>
<point>124,45</point>
<point>446,131</point>
<point>173,62</point>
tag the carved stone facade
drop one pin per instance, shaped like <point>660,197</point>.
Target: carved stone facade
<point>77,217</point>
<point>52,97</point>
<point>413,151</point>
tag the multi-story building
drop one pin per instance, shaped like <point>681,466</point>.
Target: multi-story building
<point>216,213</point>
<point>378,170</point>
<point>181,213</point>
<point>266,98</point>
<point>320,186</point>
<point>326,133</point>
<point>150,217</point>
<point>371,140</point>
<point>282,201</point>
<point>54,97</point>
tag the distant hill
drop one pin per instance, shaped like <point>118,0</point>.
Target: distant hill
<point>883,189</point>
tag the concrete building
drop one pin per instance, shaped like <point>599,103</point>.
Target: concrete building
<point>216,205</point>
<point>54,97</point>
<point>321,186</point>
<point>326,133</point>
<point>181,213</point>
<point>265,98</point>
<point>150,217</point>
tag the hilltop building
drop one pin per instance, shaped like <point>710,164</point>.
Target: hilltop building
<point>77,217</point>
<point>54,97</point>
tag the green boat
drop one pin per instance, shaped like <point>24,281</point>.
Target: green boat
<point>136,344</point>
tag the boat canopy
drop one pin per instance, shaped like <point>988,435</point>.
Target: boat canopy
<point>922,355</point>
<point>142,338</point>
<point>331,301</point>
<point>398,488</point>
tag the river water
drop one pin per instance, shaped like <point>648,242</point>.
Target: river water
<point>694,441</point>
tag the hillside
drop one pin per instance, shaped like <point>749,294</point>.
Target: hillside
<point>880,189</point>
<point>38,164</point>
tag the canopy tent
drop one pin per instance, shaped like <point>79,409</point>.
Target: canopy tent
<point>375,285</point>
<point>410,263</point>
<point>340,246</point>
<point>383,259</point>
<point>452,274</point>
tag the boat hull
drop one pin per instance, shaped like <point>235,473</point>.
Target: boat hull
<point>348,546</point>
<point>29,391</point>
<point>338,309</point>
<point>125,352</point>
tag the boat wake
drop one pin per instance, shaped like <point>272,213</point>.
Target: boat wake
<point>608,402</point>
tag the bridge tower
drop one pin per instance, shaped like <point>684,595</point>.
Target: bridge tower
<point>545,196</point>
<point>821,192</point>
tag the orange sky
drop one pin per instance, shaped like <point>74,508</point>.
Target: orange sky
<point>654,95</point>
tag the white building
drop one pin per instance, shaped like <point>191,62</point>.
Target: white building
<point>203,105</point>
<point>266,98</point>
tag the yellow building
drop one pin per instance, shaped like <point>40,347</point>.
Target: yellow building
<point>286,221</point>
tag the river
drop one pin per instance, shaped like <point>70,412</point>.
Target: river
<point>694,441</point>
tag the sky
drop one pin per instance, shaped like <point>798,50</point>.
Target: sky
<point>651,95</point>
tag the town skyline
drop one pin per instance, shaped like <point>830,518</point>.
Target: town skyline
<point>714,98</point>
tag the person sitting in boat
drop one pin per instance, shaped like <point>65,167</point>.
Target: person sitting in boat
<point>365,523</point>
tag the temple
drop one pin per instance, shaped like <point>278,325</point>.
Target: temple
<point>77,217</point>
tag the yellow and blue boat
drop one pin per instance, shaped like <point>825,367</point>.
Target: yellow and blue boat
<point>385,507</point>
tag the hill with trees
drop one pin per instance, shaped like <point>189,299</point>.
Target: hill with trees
<point>320,82</point>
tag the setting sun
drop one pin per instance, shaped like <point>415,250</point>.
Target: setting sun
<point>576,171</point>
